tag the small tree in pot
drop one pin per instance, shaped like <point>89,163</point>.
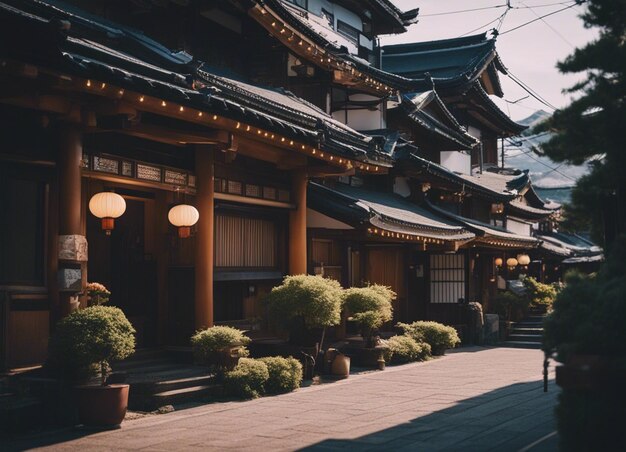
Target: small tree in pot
<point>83,346</point>
<point>220,347</point>
<point>370,307</point>
<point>304,302</point>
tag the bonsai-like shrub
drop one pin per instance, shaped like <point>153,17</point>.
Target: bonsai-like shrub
<point>540,294</point>
<point>440,337</point>
<point>285,374</point>
<point>369,306</point>
<point>247,379</point>
<point>88,340</point>
<point>589,318</point>
<point>209,343</point>
<point>510,306</point>
<point>404,349</point>
<point>305,301</point>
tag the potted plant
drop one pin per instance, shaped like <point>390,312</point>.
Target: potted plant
<point>97,294</point>
<point>219,347</point>
<point>303,303</point>
<point>83,345</point>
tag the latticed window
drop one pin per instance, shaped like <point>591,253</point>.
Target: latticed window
<point>447,278</point>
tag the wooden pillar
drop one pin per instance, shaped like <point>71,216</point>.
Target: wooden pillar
<point>297,225</point>
<point>70,195</point>
<point>70,156</point>
<point>204,238</point>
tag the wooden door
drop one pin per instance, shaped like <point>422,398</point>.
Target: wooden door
<point>386,266</point>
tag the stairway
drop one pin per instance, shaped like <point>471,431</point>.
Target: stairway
<point>159,377</point>
<point>528,332</point>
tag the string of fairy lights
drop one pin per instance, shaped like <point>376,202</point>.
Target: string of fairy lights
<point>304,47</point>
<point>236,126</point>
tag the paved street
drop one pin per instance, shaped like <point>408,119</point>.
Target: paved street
<point>472,399</point>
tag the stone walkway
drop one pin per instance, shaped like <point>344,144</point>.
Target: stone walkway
<point>472,399</point>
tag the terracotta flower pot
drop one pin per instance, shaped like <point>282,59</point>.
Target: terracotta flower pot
<point>102,406</point>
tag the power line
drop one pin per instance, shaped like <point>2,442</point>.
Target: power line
<point>549,26</point>
<point>462,11</point>
<point>578,2</point>
<point>530,91</point>
<point>556,170</point>
<point>483,26</point>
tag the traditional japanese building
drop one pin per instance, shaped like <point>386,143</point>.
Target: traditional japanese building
<point>92,107</point>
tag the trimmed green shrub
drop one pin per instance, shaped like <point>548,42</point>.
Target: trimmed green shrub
<point>369,306</point>
<point>440,337</point>
<point>404,349</point>
<point>247,379</point>
<point>315,299</point>
<point>510,306</point>
<point>209,343</point>
<point>86,341</point>
<point>285,374</point>
<point>540,294</point>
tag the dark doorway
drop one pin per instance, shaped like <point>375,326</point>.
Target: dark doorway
<point>119,262</point>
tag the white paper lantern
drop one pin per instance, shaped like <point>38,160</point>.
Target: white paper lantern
<point>107,206</point>
<point>183,216</point>
<point>511,262</point>
<point>523,259</point>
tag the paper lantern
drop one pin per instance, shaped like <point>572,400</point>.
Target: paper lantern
<point>498,262</point>
<point>183,216</point>
<point>511,262</point>
<point>107,206</point>
<point>523,259</point>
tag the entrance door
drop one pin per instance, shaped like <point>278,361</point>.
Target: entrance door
<point>120,262</point>
<point>386,266</point>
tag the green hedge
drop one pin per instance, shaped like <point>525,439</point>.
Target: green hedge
<point>404,349</point>
<point>285,374</point>
<point>248,379</point>
<point>211,341</point>
<point>440,337</point>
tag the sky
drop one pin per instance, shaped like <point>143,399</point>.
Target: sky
<point>530,53</point>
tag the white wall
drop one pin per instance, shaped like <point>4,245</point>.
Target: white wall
<point>518,227</point>
<point>362,119</point>
<point>401,187</point>
<point>314,219</point>
<point>457,161</point>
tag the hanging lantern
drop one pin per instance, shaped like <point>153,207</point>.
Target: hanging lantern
<point>524,260</point>
<point>183,216</point>
<point>511,262</point>
<point>498,262</point>
<point>107,206</point>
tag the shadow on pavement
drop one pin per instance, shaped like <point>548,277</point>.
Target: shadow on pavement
<point>511,418</point>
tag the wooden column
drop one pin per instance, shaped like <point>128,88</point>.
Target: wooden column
<point>70,155</point>
<point>297,224</point>
<point>70,193</point>
<point>204,238</point>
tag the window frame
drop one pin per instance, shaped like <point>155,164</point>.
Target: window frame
<point>345,32</point>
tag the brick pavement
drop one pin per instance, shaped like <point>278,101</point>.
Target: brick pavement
<point>472,399</point>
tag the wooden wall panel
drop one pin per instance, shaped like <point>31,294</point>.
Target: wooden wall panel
<point>242,242</point>
<point>28,337</point>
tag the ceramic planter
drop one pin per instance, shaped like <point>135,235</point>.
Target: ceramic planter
<point>102,406</point>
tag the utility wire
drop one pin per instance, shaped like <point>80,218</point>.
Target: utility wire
<point>485,25</point>
<point>549,26</point>
<point>463,11</point>
<point>528,153</point>
<point>578,2</point>
<point>530,91</point>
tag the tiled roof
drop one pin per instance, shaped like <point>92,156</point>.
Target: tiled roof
<point>388,211</point>
<point>122,66</point>
<point>487,230</point>
<point>447,62</point>
<point>416,107</point>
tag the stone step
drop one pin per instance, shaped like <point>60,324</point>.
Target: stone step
<point>525,337</point>
<point>521,344</point>
<point>143,367</point>
<point>527,330</point>
<point>137,376</point>
<point>185,395</point>
<point>527,324</point>
<point>165,385</point>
